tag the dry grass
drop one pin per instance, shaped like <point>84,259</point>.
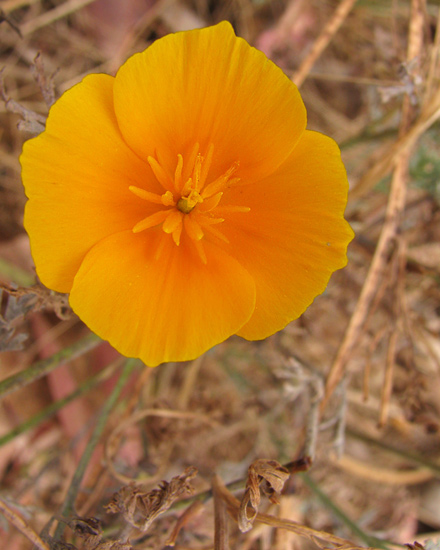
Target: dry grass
<point>354,383</point>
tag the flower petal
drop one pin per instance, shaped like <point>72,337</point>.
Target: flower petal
<point>295,234</point>
<point>208,86</point>
<point>77,175</point>
<point>170,309</point>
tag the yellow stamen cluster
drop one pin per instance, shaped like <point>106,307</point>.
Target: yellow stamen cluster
<point>188,202</point>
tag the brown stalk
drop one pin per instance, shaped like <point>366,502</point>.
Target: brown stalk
<point>399,157</point>
<point>323,40</point>
<point>377,474</point>
<point>221,526</point>
<point>48,17</point>
<point>18,522</point>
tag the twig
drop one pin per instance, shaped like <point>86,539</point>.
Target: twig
<point>8,20</point>
<point>221,527</point>
<point>63,10</point>
<point>18,522</point>
<point>377,474</point>
<point>69,502</point>
<point>11,5</point>
<point>41,368</point>
<point>387,387</point>
<point>323,40</point>
<point>394,211</point>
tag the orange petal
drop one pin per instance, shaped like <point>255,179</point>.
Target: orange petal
<point>294,235</point>
<point>77,175</point>
<point>170,309</point>
<point>209,86</point>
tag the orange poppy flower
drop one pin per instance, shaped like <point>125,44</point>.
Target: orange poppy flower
<point>183,200</point>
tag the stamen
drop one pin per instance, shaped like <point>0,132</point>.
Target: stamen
<point>167,199</point>
<point>178,173</point>
<point>176,234</point>
<point>187,187</point>
<point>161,175</point>
<point>231,209</point>
<point>188,204</point>
<point>189,165</point>
<point>193,228</point>
<point>146,195</point>
<point>219,183</point>
<point>206,165</point>
<point>211,203</point>
<point>173,221</point>
<point>197,171</point>
<point>151,221</point>
<point>210,220</point>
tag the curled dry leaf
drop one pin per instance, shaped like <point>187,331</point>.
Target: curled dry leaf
<point>141,508</point>
<point>90,531</point>
<point>264,475</point>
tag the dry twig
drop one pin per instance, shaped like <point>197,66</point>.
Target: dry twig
<point>323,40</point>
<point>18,522</point>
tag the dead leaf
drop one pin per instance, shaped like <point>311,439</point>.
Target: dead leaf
<point>267,476</point>
<point>141,508</point>
<point>90,531</point>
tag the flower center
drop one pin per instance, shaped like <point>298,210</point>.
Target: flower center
<point>189,203</point>
<point>186,204</point>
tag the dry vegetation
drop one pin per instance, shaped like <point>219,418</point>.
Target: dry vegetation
<point>354,385</point>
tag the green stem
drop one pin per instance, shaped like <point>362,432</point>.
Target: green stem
<point>329,504</point>
<point>68,506</point>
<point>55,407</point>
<point>43,367</point>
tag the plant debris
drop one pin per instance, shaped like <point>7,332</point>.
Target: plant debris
<point>264,476</point>
<point>140,508</point>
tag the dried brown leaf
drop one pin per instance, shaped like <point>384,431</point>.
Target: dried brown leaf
<point>89,529</point>
<point>264,475</point>
<point>141,508</point>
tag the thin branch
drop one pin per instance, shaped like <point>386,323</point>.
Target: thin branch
<point>323,40</point>
<point>18,522</point>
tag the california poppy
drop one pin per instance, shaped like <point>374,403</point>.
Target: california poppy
<point>183,200</point>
